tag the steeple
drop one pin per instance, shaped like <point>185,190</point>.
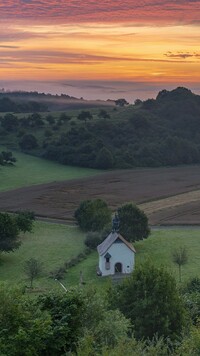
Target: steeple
<point>115,223</point>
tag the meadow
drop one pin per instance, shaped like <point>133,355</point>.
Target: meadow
<point>30,170</point>
<point>54,244</point>
<point>51,244</point>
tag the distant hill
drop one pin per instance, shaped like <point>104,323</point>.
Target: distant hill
<point>160,132</point>
<point>157,132</point>
<point>22,101</point>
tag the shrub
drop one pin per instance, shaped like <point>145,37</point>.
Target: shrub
<point>93,239</point>
<point>193,285</point>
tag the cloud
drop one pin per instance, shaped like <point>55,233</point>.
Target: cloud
<point>64,57</point>
<point>13,35</point>
<point>72,11</point>
<point>182,55</point>
<point>7,46</point>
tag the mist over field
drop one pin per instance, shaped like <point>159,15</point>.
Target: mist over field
<point>96,89</point>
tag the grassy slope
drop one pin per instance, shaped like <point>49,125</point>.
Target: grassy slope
<point>30,170</point>
<point>54,244</point>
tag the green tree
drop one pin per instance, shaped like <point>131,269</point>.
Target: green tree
<point>93,215</point>
<point>67,315</point>
<point>33,268</point>
<point>85,115</point>
<point>152,302</point>
<point>103,114</point>
<point>28,142</point>
<point>25,220</point>
<point>104,159</point>
<point>50,119</point>
<point>121,102</point>
<point>101,326</point>
<point>133,222</point>
<point>64,117</point>
<point>10,122</point>
<point>190,344</point>
<point>9,233</point>
<point>25,329</point>
<point>180,258</point>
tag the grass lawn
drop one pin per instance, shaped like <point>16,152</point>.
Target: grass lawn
<point>160,246</point>
<point>54,244</point>
<point>158,249</point>
<point>30,170</point>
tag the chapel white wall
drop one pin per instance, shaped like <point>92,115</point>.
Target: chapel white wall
<point>119,253</point>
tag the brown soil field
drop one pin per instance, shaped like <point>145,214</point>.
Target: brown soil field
<point>167,195</point>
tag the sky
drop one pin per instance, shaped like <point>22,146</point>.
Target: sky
<point>100,49</point>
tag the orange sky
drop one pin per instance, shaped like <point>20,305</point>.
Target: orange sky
<point>145,41</point>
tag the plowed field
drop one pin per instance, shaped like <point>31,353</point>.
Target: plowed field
<point>167,195</point>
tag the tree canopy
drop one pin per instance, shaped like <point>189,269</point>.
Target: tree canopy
<point>150,298</point>
<point>28,142</point>
<point>10,227</point>
<point>93,215</point>
<point>104,159</point>
<point>133,222</point>
<point>25,220</point>
<point>25,329</point>
<point>9,233</point>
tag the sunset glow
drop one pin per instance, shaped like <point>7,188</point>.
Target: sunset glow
<point>143,41</point>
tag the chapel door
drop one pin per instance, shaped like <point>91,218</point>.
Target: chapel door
<point>118,267</point>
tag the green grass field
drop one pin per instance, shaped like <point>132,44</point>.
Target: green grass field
<point>158,249</point>
<point>29,170</point>
<point>54,244</point>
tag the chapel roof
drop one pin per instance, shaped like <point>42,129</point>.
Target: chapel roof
<point>112,237</point>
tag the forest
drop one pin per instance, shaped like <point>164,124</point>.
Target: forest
<point>156,132</point>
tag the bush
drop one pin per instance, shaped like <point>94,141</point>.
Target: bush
<point>58,273</point>
<point>193,286</point>
<point>93,239</point>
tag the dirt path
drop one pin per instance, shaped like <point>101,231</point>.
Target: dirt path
<point>167,195</point>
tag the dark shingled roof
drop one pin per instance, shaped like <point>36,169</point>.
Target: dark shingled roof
<point>112,237</point>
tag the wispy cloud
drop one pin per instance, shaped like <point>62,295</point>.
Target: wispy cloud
<point>12,34</point>
<point>182,55</point>
<point>7,46</point>
<point>65,57</point>
<point>146,11</point>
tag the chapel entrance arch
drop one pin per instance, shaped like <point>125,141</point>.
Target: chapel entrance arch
<point>118,267</point>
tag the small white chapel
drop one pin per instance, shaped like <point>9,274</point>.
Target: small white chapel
<point>116,255</point>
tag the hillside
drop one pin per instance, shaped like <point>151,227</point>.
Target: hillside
<point>153,133</point>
